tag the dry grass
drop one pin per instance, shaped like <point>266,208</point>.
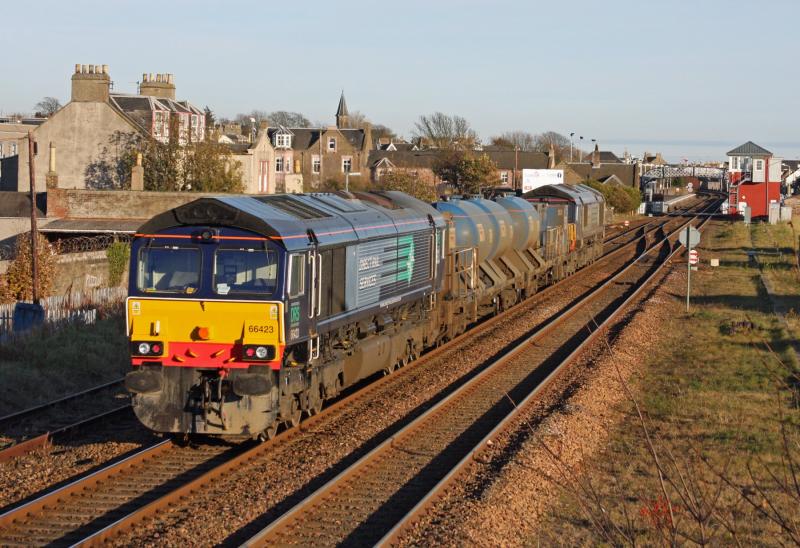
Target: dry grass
<point>57,362</point>
<point>717,402</point>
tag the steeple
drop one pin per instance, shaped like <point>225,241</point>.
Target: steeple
<point>342,116</point>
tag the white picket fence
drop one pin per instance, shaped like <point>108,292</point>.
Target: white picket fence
<point>78,306</point>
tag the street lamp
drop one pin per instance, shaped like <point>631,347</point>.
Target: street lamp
<point>581,149</point>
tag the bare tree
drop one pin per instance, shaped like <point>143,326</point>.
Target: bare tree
<point>47,106</point>
<point>560,144</point>
<point>288,119</point>
<point>513,139</point>
<point>440,130</point>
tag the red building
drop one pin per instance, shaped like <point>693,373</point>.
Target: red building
<point>755,180</point>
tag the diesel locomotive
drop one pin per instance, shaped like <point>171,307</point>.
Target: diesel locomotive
<point>245,312</point>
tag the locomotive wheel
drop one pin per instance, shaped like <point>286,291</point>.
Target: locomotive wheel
<point>313,401</point>
<point>297,414</point>
<point>270,431</point>
<point>389,369</point>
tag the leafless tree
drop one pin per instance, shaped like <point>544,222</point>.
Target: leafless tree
<point>287,119</point>
<point>515,139</point>
<point>560,144</point>
<point>439,130</point>
<point>47,106</point>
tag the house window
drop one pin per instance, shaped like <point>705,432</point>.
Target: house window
<point>315,164</point>
<point>1,150</point>
<point>332,144</point>
<point>504,177</point>
<point>160,127</point>
<point>195,127</point>
<point>279,164</point>
<point>13,149</point>
<point>347,164</point>
<point>759,165</point>
<point>283,140</point>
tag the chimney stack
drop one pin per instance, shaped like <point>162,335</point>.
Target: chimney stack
<point>160,85</point>
<point>90,84</point>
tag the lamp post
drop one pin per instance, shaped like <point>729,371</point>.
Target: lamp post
<point>580,150</point>
<point>570,145</point>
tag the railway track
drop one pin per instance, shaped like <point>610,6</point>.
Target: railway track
<point>66,515</point>
<point>125,513</point>
<point>376,498</point>
<point>35,427</point>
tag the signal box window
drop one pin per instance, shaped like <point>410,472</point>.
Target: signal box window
<point>169,269</point>
<point>297,275</point>
<point>245,271</point>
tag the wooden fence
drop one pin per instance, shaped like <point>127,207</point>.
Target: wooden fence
<point>79,306</point>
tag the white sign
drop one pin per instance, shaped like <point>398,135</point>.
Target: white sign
<point>694,258</point>
<point>534,178</point>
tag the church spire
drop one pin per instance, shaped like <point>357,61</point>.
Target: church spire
<point>342,116</point>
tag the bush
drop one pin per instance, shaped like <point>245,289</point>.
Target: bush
<point>118,255</point>
<point>622,198</point>
<point>17,284</point>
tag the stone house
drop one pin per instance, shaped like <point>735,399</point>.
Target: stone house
<point>82,131</point>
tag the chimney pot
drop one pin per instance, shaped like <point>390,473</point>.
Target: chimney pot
<point>105,69</point>
<point>144,77</point>
<point>84,69</point>
<point>171,78</point>
<point>150,77</point>
<point>77,68</point>
<point>91,69</point>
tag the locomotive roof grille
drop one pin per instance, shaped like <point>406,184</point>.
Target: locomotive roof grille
<point>293,207</point>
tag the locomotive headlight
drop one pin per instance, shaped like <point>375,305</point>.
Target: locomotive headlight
<point>144,348</point>
<point>261,352</point>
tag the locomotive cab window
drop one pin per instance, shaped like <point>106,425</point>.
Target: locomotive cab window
<point>245,271</point>
<point>297,275</point>
<point>170,269</point>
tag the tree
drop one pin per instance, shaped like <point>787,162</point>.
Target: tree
<point>513,139</point>
<point>250,120</point>
<point>379,131</point>
<point>47,107</point>
<point>287,119</point>
<point>17,283</point>
<point>560,144</point>
<point>210,167</point>
<point>357,120</point>
<point>203,166</point>
<point>468,171</point>
<point>210,120</point>
<point>440,130</point>
<point>408,183</point>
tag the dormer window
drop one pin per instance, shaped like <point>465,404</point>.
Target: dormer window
<point>331,144</point>
<point>283,140</point>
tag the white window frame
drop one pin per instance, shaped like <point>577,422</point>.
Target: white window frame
<point>278,164</point>
<point>759,165</point>
<point>316,164</point>
<point>347,162</point>
<point>331,144</point>
<point>293,292</point>
<point>504,177</point>
<point>283,140</point>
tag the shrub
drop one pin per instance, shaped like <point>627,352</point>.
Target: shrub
<point>622,198</point>
<point>17,284</point>
<point>118,255</point>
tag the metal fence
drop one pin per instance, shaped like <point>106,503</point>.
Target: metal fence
<point>74,307</point>
<point>76,244</point>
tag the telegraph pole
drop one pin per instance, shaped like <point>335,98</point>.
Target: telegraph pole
<point>34,231</point>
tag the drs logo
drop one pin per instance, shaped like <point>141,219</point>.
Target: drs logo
<point>294,313</point>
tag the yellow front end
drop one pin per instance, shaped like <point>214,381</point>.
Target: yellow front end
<point>205,366</point>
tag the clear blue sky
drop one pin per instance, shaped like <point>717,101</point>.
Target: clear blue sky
<point>635,74</point>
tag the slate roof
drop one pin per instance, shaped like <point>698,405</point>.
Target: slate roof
<point>606,156</point>
<point>525,160</point>
<point>94,226</point>
<point>749,149</point>
<point>626,173</point>
<point>405,158</point>
<point>139,108</point>
<point>305,138</point>
<point>342,108</point>
<point>792,165</point>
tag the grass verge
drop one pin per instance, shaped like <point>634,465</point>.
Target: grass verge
<point>56,362</point>
<point>714,455</point>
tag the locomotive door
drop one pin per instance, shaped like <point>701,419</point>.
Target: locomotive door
<point>300,319</point>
